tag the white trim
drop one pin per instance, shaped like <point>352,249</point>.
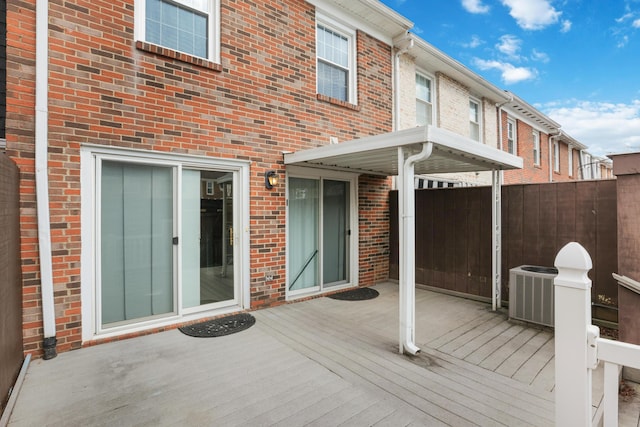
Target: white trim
<point>477,102</point>
<point>570,160</point>
<point>432,92</point>
<point>511,120</point>
<point>89,155</point>
<point>329,8</point>
<point>212,10</point>
<point>354,244</point>
<point>350,34</point>
<point>536,147</point>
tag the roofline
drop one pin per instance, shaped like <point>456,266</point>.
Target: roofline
<point>422,48</point>
<point>336,7</point>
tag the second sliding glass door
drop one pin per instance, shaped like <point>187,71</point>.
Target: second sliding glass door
<point>319,234</point>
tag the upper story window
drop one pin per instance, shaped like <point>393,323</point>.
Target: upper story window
<point>474,119</point>
<point>512,141</point>
<point>336,74</point>
<point>187,26</point>
<point>536,147</point>
<point>586,167</point>
<point>424,103</point>
<point>570,157</point>
<point>556,157</point>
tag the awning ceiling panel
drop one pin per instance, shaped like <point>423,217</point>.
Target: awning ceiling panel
<point>378,155</point>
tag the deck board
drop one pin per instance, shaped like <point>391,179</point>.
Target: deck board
<point>317,362</point>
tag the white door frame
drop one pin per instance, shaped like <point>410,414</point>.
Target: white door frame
<point>354,246</point>
<point>90,155</point>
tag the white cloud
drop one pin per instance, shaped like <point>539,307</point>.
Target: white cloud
<point>566,26</point>
<point>475,6</point>
<point>605,128</point>
<point>474,43</point>
<point>510,74</point>
<point>510,46</point>
<point>636,23</point>
<point>532,14</point>
<point>539,56</point>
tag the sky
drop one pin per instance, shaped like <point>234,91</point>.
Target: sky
<point>576,61</point>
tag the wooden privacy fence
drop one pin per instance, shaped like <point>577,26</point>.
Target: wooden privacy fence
<point>10,279</point>
<point>453,235</point>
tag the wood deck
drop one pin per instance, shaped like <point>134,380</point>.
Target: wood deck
<point>321,362</point>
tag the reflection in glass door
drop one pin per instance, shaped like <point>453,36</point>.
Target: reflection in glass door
<point>318,233</point>
<point>207,228</point>
<point>335,232</point>
<point>303,234</point>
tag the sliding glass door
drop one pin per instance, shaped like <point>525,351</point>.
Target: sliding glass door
<point>318,234</point>
<point>148,217</point>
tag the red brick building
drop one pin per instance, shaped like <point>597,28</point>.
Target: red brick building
<point>158,123</point>
<point>549,154</point>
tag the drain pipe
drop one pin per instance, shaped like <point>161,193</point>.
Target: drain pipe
<point>407,250</point>
<point>42,179</point>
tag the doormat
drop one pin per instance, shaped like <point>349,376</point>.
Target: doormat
<point>358,294</point>
<point>219,327</point>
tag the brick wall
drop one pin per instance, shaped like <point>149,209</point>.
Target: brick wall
<point>106,89</point>
<point>532,173</point>
<point>453,105</point>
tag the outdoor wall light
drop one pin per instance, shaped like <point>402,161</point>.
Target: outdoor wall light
<point>270,179</point>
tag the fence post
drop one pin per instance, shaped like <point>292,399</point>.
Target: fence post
<point>572,318</point>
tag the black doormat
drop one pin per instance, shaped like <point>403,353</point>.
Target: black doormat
<point>358,294</point>
<point>219,327</point>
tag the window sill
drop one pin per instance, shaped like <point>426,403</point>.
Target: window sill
<point>183,57</point>
<point>338,102</point>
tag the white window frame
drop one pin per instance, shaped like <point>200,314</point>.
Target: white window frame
<point>512,125</point>
<point>478,103</point>
<point>536,147</point>
<point>354,250</point>
<point>350,35</point>
<point>90,157</point>
<point>570,161</point>
<point>432,89</point>
<point>209,7</point>
<point>556,157</point>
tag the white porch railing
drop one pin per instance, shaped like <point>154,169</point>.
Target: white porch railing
<point>579,348</point>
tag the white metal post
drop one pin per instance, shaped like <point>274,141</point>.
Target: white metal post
<point>572,289</point>
<point>496,240</point>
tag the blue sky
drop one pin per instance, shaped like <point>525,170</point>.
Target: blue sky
<point>577,61</point>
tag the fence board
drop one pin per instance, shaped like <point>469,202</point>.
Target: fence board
<point>453,242</point>
<point>10,279</point>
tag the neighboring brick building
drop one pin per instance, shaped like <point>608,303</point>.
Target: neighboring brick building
<point>549,154</point>
<point>434,89</point>
<point>161,129</point>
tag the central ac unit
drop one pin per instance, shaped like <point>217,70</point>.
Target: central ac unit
<point>531,294</point>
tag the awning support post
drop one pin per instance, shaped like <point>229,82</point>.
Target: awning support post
<point>407,240</point>
<point>496,240</point>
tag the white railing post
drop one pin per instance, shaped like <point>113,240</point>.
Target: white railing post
<point>572,320</point>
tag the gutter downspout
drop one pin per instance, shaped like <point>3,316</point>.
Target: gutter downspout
<point>497,178</point>
<point>407,247</point>
<point>396,81</point>
<point>42,179</point>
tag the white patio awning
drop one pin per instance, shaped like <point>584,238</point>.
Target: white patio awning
<point>404,153</point>
<point>378,155</point>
